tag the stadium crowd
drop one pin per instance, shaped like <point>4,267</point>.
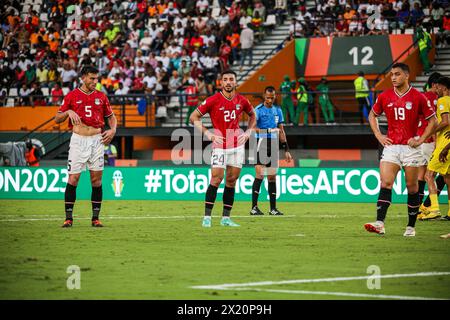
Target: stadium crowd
<point>352,18</point>
<point>154,47</point>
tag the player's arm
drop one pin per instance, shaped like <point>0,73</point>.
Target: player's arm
<point>65,111</point>
<point>109,134</point>
<point>196,119</point>
<point>250,126</point>
<point>443,124</point>
<point>284,144</point>
<point>429,130</point>
<point>444,153</point>
<point>373,121</point>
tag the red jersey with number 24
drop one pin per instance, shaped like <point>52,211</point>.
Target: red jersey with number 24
<point>225,115</point>
<point>402,113</point>
<point>92,107</point>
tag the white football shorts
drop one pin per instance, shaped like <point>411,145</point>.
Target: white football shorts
<point>234,157</point>
<point>85,151</point>
<point>403,155</point>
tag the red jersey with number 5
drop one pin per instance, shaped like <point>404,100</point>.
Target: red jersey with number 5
<point>432,98</point>
<point>403,113</point>
<point>225,115</point>
<point>92,107</point>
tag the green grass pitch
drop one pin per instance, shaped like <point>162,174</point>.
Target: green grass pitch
<point>158,250</point>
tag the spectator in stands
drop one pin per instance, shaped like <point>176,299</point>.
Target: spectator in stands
<point>341,28</point>
<point>196,71</point>
<point>57,95</point>
<point>36,95</point>
<point>176,86</point>
<point>24,94</point>
<point>247,39</point>
<point>184,69</point>
<point>68,76</point>
<point>202,6</point>
<point>234,39</point>
<point>296,29</point>
<point>417,15</point>
<point>445,34</point>
<point>192,100</point>
<point>403,17</point>
<point>437,13</point>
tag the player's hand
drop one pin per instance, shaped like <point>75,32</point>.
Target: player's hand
<point>443,155</point>
<point>107,136</point>
<point>214,138</point>
<point>242,139</point>
<point>384,140</point>
<point>74,117</point>
<point>414,143</point>
<point>447,135</point>
<point>288,156</point>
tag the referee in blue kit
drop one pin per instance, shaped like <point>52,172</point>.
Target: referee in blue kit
<point>269,128</point>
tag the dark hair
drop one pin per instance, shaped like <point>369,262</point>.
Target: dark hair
<point>88,69</point>
<point>402,66</point>
<point>445,81</point>
<point>433,78</point>
<point>228,72</point>
<point>269,89</point>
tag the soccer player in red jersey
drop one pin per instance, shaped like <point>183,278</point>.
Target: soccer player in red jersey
<point>428,146</point>
<point>403,105</point>
<point>225,109</point>
<point>86,108</point>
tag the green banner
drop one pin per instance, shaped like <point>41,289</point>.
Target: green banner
<point>188,183</point>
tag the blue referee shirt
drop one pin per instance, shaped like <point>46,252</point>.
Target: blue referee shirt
<point>268,118</point>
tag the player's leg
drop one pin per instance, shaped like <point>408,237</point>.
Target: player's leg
<point>272,190</point>
<point>70,196</point>
<point>388,173</point>
<point>217,174</point>
<point>95,165</point>
<point>447,181</point>
<point>433,209</point>
<point>76,163</point>
<point>259,177</point>
<point>96,196</point>
<point>440,185</point>
<point>422,183</point>
<point>411,178</point>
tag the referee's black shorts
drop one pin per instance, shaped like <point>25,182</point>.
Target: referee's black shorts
<point>267,152</point>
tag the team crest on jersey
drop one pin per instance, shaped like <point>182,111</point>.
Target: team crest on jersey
<point>238,106</point>
<point>97,101</point>
<point>408,105</point>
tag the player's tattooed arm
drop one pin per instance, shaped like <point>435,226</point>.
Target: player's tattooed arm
<point>444,153</point>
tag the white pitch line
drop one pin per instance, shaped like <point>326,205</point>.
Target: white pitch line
<point>138,218</point>
<point>268,283</point>
<point>342,294</point>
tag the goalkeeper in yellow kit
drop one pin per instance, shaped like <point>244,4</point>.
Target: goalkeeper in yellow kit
<point>442,140</point>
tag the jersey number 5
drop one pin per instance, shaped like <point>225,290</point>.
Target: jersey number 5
<point>88,111</point>
<point>399,113</point>
<point>228,116</point>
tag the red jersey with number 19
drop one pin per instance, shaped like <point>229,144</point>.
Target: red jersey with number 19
<point>92,107</point>
<point>225,115</point>
<point>402,113</point>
